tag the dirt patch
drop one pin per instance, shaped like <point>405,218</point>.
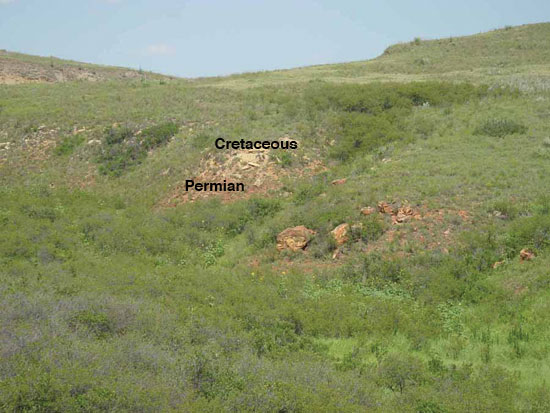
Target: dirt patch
<point>36,146</point>
<point>427,230</point>
<point>12,79</point>
<point>15,71</point>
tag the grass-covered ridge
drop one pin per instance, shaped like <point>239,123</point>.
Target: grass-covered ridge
<point>511,55</point>
<point>112,301</point>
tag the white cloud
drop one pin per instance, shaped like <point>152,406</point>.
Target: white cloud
<point>160,49</point>
<point>6,1</point>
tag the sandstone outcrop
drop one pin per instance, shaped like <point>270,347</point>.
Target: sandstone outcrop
<point>294,239</point>
<point>341,234</point>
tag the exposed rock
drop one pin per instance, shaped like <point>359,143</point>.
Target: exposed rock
<point>404,214</point>
<point>368,210</point>
<point>500,215</point>
<point>339,181</point>
<point>340,233</point>
<point>294,239</point>
<point>463,214</point>
<point>526,254</point>
<point>336,254</point>
<point>400,217</point>
<point>386,208</point>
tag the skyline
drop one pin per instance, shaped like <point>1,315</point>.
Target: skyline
<point>211,38</point>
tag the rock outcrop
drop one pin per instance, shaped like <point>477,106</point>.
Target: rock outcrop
<point>294,239</point>
<point>399,215</point>
<point>341,234</point>
<point>526,254</point>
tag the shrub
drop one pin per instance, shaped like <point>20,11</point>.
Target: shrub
<point>364,117</point>
<point>499,128</point>
<point>95,399</point>
<point>68,144</point>
<point>532,232</point>
<point>95,323</point>
<point>544,150</point>
<point>397,372</point>
<point>285,159</point>
<point>370,229</point>
<point>201,141</point>
<point>505,208</point>
<point>322,245</point>
<point>158,135</point>
<point>43,394</point>
<point>123,148</point>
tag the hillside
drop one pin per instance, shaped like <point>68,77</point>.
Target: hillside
<point>516,56</point>
<point>396,260</point>
<point>18,68</point>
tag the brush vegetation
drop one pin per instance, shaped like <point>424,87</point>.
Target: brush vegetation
<point>111,302</point>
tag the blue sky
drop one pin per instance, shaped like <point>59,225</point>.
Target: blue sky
<point>213,37</point>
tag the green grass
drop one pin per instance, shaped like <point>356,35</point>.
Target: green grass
<point>109,302</point>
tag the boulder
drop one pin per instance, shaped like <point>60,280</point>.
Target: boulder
<point>385,208</point>
<point>340,234</point>
<point>526,254</point>
<point>404,214</point>
<point>294,239</point>
<point>368,210</point>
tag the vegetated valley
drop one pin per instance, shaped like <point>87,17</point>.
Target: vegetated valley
<point>397,260</point>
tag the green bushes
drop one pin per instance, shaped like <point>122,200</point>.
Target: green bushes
<point>397,372</point>
<point>123,147</point>
<point>68,144</point>
<point>219,320</point>
<point>499,128</point>
<point>376,98</point>
<point>528,232</point>
<point>359,133</point>
<point>322,245</point>
<point>369,229</point>
<point>94,323</point>
<point>364,117</point>
<point>158,135</point>
<point>224,336</point>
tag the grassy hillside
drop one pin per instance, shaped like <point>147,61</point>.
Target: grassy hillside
<point>516,56</point>
<point>121,292</point>
<point>16,68</point>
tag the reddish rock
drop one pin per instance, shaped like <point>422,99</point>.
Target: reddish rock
<point>340,234</point>
<point>368,210</point>
<point>526,254</point>
<point>385,208</point>
<point>339,181</point>
<point>294,239</point>
<point>404,214</point>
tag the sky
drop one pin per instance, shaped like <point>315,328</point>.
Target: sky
<point>193,38</point>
